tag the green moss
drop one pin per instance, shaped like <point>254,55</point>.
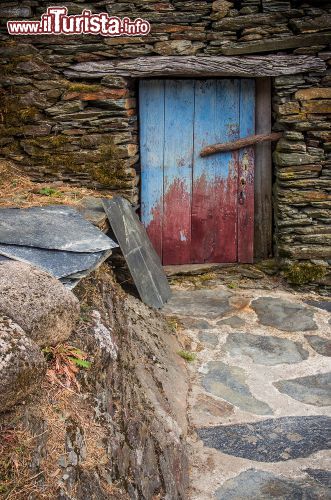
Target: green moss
<point>27,114</point>
<point>102,164</point>
<point>9,131</point>
<point>302,273</point>
<point>268,266</point>
<point>15,115</point>
<point>7,69</point>
<point>81,87</point>
<point>198,281</point>
<point>233,285</point>
<point>48,191</point>
<point>188,356</point>
<point>50,142</point>
<point>284,253</point>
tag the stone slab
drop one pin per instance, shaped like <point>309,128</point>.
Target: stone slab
<point>262,485</point>
<point>201,303</point>
<point>271,440</point>
<point>142,260</point>
<point>322,476</point>
<point>56,262</point>
<point>209,337</point>
<point>92,210</point>
<point>320,344</point>
<point>284,314</point>
<point>196,324</point>
<point>234,322</point>
<point>191,269</point>
<point>265,350</point>
<point>320,304</point>
<point>52,227</point>
<point>229,383</point>
<point>208,406</point>
<point>314,389</point>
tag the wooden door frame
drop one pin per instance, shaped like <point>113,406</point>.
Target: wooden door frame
<point>263,212</point>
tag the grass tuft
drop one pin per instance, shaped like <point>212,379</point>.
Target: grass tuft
<point>188,356</point>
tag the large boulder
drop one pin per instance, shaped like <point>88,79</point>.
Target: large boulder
<point>22,364</point>
<point>37,302</point>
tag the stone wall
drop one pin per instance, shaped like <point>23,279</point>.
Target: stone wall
<point>303,167</point>
<point>86,132</point>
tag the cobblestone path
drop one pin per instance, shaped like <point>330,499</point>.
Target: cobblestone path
<point>260,396</point>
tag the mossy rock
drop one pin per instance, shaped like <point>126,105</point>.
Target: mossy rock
<point>301,273</point>
<point>58,154</point>
<point>82,87</point>
<point>268,266</point>
<point>15,115</point>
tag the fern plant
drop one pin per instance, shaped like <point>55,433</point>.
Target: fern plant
<point>65,362</point>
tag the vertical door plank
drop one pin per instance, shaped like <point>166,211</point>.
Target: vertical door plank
<point>178,158</point>
<point>246,174</point>
<point>151,96</point>
<point>215,183</point>
<point>226,174</point>
<point>263,173</point>
<point>203,196</point>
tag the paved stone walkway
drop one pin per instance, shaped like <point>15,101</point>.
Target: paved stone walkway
<point>260,396</point>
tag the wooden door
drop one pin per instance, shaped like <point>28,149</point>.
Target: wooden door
<point>197,209</point>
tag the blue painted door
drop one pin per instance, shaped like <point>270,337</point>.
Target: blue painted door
<point>197,209</point>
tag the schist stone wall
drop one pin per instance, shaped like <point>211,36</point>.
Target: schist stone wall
<point>85,131</point>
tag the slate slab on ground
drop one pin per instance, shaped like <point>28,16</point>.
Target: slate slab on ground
<point>52,227</point>
<point>271,440</point>
<point>259,484</point>
<point>203,303</point>
<point>143,262</point>
<point>56,239</point>
<point>284,315</point>
<point>58,263</point>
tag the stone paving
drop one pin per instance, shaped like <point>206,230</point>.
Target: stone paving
<point>259,405</point>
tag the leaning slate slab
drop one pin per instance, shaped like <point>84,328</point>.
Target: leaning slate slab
<point>53,227</point>
<point>272,440</point>
<point>56,262</point>
<point>143,261</point>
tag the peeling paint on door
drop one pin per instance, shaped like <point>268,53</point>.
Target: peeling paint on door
<point>197,209</point>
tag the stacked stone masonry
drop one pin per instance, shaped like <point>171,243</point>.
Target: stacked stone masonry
<point>86,131</point>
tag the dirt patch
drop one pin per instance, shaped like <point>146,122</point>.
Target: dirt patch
<point>19,191</point>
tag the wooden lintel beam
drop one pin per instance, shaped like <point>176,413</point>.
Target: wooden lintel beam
<point>240,143</point>
<point>197,66</point>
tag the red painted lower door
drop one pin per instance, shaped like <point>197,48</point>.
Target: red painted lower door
<point>197,209</point>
